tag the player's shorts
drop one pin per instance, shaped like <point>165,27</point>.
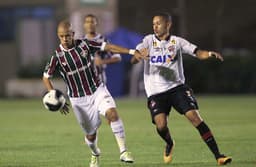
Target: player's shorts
<point>181,98</point>
<point>87,109</point>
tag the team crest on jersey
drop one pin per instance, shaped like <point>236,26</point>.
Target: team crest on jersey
<point>171,48</point>
<point>154,44</point>
<point>173,42</point>
<point>156,48</point>
<point>84,53</point>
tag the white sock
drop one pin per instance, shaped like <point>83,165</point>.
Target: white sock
<point>118,130</point>
<point>93,146</point>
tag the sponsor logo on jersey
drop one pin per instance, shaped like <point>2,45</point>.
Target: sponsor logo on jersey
<point>157,49</point>
<point>173,42</point>
<point>64,63</point>
<point>163,58</point>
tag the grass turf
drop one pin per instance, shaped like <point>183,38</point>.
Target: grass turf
<point>30,136</point>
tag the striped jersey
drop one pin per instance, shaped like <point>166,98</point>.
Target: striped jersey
<point>164,68</point>
<point>76,67</point>
<point>103,55</point>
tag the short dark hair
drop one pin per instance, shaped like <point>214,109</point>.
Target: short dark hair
<point>165,15</point>
<point>92,16</point>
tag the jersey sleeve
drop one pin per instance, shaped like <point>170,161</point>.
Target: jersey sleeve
<point>96,46</point>
<point>116,55</point>
<point>107,55</point>
<point>51,67</point>
<point>187,47</point>
<point>144,44</point>
<point>110,54</point>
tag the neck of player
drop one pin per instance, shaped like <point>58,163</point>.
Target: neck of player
<point>91,35</point>
<point>164,36</point>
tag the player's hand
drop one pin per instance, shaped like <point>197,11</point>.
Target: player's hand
<point>145,52</point>
<point>138,55</point>
<point>65,109</point>
<point>216,55</point>
<point>98,61</point>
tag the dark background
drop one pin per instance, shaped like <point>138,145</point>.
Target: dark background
<point>226,26</point>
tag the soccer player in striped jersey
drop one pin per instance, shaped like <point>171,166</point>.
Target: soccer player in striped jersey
<point>165,83</point>
<point>101,58</point>
<point>88,95</point>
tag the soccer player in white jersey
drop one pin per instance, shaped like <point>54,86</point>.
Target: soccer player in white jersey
<point>88,95</point>
<point>101,59</point>
<point>165,83</point>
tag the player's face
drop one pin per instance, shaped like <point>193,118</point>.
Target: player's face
<point>161,27</point>
<point>90,24</point>
<point>66,37</point>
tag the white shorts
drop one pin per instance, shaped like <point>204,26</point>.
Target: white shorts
<point>87,109</point>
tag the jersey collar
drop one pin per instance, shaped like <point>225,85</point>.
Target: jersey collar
<point>94,38</point>
<point>66,50</point>
<point>166,39</point>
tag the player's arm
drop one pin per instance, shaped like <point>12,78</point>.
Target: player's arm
<point>113,59</point>
<point>144,52</point>
<point>118,49</point>
<point>47,83</point>
<point>48,73</point>
<point>104,46</point>
<point>203,54</point>
<point>134,60</point>
<point>143,48</point>
<point>193,50</point>
<point>49,69</point>
<point>99,61</point>
<point>109,60</point>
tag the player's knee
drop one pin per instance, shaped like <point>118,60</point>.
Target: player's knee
<point>195,120</point>
<point>194,117</point>
<point>160,122</point>
<point>112,115</point>
<point>161,126</point>
<point>91,138</point>
<point>82,124</point>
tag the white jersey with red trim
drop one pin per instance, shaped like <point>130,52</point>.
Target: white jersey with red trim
<point>164,69</point>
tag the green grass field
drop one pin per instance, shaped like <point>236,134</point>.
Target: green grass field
<point>31,136</point>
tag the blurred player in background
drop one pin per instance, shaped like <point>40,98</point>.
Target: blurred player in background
<point>101,58</point>
<point>88,95</point>
<point>165,83</point>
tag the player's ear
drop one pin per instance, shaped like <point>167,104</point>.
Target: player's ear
<point>169,25</point>
<point>73,33</point>
<point>97,23</point>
